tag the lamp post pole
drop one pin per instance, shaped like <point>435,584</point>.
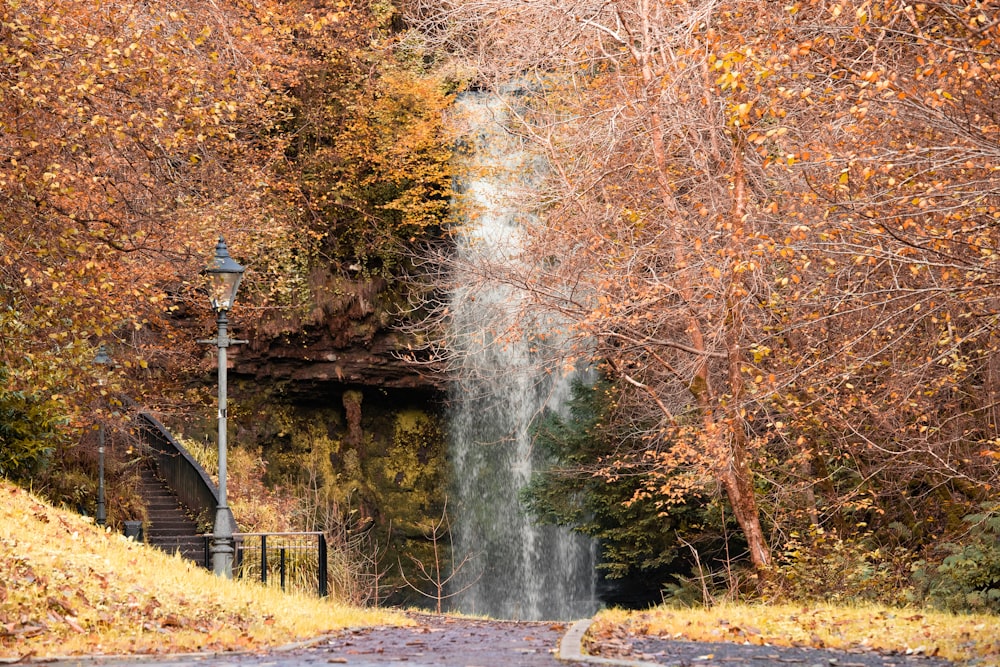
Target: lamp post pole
<point>102,511</point>
<point>222,533</point>
<point>102,359</point>
<point>224,279</point>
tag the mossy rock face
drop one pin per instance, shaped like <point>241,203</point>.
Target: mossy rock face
<point>370,466</point>
<point>411,474</point>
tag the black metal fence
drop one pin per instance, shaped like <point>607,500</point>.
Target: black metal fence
<point>293,561</point>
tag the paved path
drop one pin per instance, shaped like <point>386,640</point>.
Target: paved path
<point>441,641</point>
<point>437,641</point>
<point>649,651</point>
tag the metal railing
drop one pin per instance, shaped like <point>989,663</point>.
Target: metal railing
<point>294,561</point>
<point>178,468</point>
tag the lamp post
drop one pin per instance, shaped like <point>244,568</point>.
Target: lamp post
<point>101,359</point>
<point>224,276</point>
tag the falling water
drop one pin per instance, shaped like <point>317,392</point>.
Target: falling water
<point>513,568</point>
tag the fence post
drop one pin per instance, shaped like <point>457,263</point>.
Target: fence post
<point>238,554</point>
<point>282,568</point>
<point>263,559</point>
<point>321,565</point>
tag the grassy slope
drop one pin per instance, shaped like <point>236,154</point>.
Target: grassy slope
<point>68,587</point>
<point>966,638</point>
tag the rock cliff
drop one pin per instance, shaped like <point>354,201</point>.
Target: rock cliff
<point>345,338</point>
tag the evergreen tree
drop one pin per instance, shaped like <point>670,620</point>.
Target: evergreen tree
<point>644,543</point>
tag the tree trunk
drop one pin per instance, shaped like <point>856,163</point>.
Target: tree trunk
<point>735,473</point>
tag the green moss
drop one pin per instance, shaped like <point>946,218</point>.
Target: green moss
<point>383,476</point>
<point>411,475</point>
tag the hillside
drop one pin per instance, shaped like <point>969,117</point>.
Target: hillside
<point>68,587</point>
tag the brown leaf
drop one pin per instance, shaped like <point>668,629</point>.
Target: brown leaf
<point>60,606</point>
<point>24,657</point>
<point>173,621</point>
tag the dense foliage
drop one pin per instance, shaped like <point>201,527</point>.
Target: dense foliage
<point>134,134</point>
<point>646,546</point>
<point>28,428</point>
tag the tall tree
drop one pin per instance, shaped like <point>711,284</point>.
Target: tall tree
<point>132,134</point>
<point>897,145</point>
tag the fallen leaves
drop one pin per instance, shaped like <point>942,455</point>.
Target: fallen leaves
<point>21,630</point>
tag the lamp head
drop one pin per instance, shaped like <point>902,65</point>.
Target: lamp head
<point>224,276</point>
<point>102,358</point>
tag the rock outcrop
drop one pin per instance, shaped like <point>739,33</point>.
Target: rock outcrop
<point>345,338</point>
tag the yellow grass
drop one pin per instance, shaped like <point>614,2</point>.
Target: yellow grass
<point>961,638</point>
<point>68,587</point>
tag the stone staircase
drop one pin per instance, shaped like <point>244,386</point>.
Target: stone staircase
<point>169,526</point>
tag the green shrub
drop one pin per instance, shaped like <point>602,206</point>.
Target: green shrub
<point>644,544</point>
<point>822,566</point>
<point>29,431</point>
<point>965,577</point>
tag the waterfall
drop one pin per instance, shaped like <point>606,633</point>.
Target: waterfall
<point>514,569</point>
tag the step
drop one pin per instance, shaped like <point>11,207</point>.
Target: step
<point>169,513</point>
<point>176,527</point>
<point>178,521</point>
<point>166,509</point>
<point>174,519</point>
<point>168,526</point>
<point>180,542</point>
<point>175,523</point>
<point>158,538</point>
<point>183,548</point>
<point>166,503</point>
<point>165,538</point>
<point>187,539</point>
<point>160,497</point>
<point>185,545</point>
